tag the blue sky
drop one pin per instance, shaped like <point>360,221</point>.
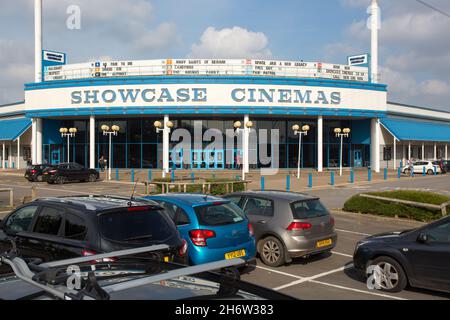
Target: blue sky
<point>414,40</point>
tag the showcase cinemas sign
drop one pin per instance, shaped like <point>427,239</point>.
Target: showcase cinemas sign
<point>213,95</point>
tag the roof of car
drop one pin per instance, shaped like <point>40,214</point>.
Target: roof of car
<point>95,202</point>
<point>190,199</point>
<point>278,195</point>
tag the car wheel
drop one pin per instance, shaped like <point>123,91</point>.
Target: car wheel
<point>92,178</point>
<point>60,180</point>
<point>430,172</point>
<point>39,178</point>
<point>392,276</point>
<point>407,172</point>
<point>272,252</point>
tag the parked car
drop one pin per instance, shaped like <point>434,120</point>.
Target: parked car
<point>419,165</point>
<point>36,172</point>
<point>419,257</point>
<point>65,172</point>
<point>67,227</point>
<point>287,225</point>
<point>214,228</point>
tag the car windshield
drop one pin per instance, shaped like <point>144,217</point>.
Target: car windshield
<point>219,214</point>
<point>146,225</point>
<point>308,209</point>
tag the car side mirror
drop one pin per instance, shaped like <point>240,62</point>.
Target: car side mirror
<point>423,238</point>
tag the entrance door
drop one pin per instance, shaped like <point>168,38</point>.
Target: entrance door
<point>357,156</point>
<point>176,159</point>
<point>56,156</point>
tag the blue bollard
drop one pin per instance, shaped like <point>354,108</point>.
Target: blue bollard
<point>310,178</point>
<point>132,175</point>
<point>385,173</point>
<point>352,176</point>
<point>288,183</point>
<point>332,178</point>
<point>369,176</point>
<point>424,171</point>
<point>117,174</point>
<point>172,176</point>
<point>263,183</point>
<point>149,177</point>
<point>435,169</point>
<point>12,165</point>
<point>192,177</point>
<point>399,173</point>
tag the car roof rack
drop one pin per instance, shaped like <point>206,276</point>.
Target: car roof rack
<point>44,279</point>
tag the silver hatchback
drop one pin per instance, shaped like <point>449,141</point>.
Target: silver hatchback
<point>287,225</point>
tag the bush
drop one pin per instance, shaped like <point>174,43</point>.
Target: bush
<point>362,205</point>
<point>413,195</point>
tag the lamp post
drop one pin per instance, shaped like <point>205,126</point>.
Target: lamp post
<point>165,129</point>
<point>304,131</point>
<point>341,133</point>
<point>69,133</point>
<point>247,126</point>
<point>107,131</point>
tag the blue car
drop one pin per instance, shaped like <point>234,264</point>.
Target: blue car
<point>214,228</point>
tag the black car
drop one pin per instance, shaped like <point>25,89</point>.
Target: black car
<point>61,228</point>
<point>65,172</point>
<point>36,172</point>
<point>419,257</point>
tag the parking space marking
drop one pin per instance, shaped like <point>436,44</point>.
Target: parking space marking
<point>308,279</point>
<point>280,272</point>
<point>353,232</point>
<point>342,254</point>
<point>357,290</point>
<point>47,189</point>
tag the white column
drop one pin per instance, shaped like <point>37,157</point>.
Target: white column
<point>18,153</point>
<point>403,153</point>
<point>409,150</point>
<point>39,141</point>
<point>10,156</point>
<point>246,145</point>
<point>166,142</point>
<point>446,152</point>
<point>33,140</point>
<point>423,151</point>
<point>92,142</point>
<point>3,156</point>
<point>375,144</point>
<point>435,151</point>
<point>320,144</point>
<point>395,153</point>
<point>38,40</point>
<point>374,39</point>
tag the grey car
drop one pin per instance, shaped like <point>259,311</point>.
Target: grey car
<point>287,225</point>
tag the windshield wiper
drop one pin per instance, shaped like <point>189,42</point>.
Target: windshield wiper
<point>146,236</point>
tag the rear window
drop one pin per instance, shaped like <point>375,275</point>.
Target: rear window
<point>219,214</point>
<point>308,209</point>
<point>136,226</point>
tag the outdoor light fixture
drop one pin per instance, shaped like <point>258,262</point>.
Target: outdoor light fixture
<point>69,133</point>
<point>107,131</point>
<point>341,133</point>
<point>165,129</point>
<point>304,131</point>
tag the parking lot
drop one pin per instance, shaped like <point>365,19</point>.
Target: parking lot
<point>320,277</point>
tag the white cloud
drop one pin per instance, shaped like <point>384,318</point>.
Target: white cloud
<point>233,42</point>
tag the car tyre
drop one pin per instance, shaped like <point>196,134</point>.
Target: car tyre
<point>394,278</point>
<point>92,178</point>
<point>39,178</point>
<point>430,172</point>
<point>407,172</point>
<point>271,251</point>
<point>60,180</point>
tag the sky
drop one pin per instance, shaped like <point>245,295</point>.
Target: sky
<point>414,39</point>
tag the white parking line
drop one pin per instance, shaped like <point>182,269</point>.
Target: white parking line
<point>342,254</point>
<point>280,272</point>
<point>357,290</point>
<point>353,232</point>
<point>320,275</point>
<point>47,189</point>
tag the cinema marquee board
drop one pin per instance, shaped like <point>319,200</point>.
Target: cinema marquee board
<point>207,67</point>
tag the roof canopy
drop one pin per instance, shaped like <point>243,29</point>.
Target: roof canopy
<point>416,130</point>
<point>11,129</point>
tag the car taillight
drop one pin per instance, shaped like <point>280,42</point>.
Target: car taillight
<point>183,249</point>
<point>141,208</point>
<point>250,229</point>
<point>52,171</point>
<point>33,171</point>
<point>199,237</point>
<point>296,226</point>
<point>87,253</point>
<point>332,221</point>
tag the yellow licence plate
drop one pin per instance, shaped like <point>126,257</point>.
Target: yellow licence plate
<point>324,243</point>
<point>234,254</point>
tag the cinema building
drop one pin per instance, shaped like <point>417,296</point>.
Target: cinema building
<point>214,94</point>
